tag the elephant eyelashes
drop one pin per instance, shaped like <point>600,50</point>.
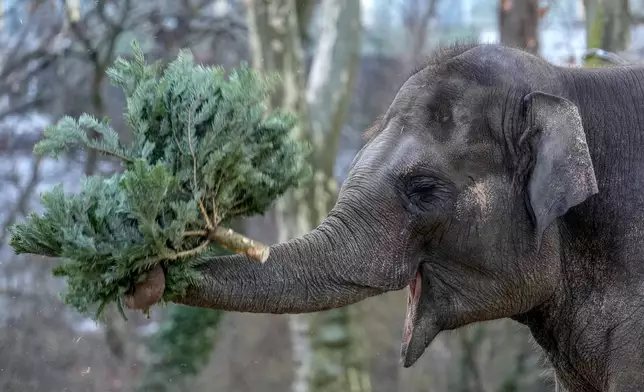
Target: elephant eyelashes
<point>421,184</point>
<point>440,117</point>
<point>422,191</point>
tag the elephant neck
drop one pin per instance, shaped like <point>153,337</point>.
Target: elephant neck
<point>592,327</point>
<point>589,347</point>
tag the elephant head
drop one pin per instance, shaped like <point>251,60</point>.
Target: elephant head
<point>455,196</point>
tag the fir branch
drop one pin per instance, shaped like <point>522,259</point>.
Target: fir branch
<point>215,216</point>
<point>167,205</point>
<point>205,215</point>
<point>194,157</point>
<point>68,133</point>
<point>185,253</point>
<point>111,153</point>
<point>195,233</point>
<point>233,241</point>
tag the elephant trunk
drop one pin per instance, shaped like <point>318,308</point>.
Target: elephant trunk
<point>315,272</point>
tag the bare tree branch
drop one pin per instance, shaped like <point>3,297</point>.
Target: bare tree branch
<point>22,107</point>
<point>23,199</point>
<point>25,56</point>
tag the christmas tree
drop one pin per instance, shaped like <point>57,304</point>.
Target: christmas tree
<point>204,151</point>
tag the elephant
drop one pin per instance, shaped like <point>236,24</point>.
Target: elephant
<point>496,185</point>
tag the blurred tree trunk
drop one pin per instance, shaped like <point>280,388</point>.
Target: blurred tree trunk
<point>74,7</point>
<point>518,23</point>
<point>417,15</point>
<point>470,372</point>
<point>608,24</point>
<point>333,359</point>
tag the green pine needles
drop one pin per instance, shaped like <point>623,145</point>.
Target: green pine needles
<point>204,151</point>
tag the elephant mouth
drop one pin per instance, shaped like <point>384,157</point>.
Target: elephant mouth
<point>420,326</point>
<point>413,299</point>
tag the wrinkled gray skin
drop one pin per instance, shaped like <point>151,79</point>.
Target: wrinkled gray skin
<point>498,185</point>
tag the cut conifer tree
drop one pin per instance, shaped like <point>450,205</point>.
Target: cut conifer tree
<point>204,151</point>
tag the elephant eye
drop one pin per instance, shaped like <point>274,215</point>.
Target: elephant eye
<point>441,115</point>
<point>426,193</point>
<point>421,184</point>
<point>421,189</point>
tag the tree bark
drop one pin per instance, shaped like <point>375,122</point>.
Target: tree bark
<point>518,23</point>
<point>332,359</point>
<point>417,15</point>
<point>607,26</point>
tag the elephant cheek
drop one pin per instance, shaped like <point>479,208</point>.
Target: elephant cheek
<point>476,201</point>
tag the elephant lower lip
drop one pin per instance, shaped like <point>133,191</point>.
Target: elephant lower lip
<point>413,297</point>
<point>421,323</point>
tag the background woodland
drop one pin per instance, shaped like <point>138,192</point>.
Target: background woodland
<point>341,63</point>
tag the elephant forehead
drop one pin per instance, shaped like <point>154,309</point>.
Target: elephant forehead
<point>401,149</point>
<point>413,133</point>
<point>398,147</point>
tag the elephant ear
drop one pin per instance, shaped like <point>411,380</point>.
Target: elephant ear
<point>563,175</point>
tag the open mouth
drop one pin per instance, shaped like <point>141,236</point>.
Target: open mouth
<point>421,324</point>
<point>413,299</point>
